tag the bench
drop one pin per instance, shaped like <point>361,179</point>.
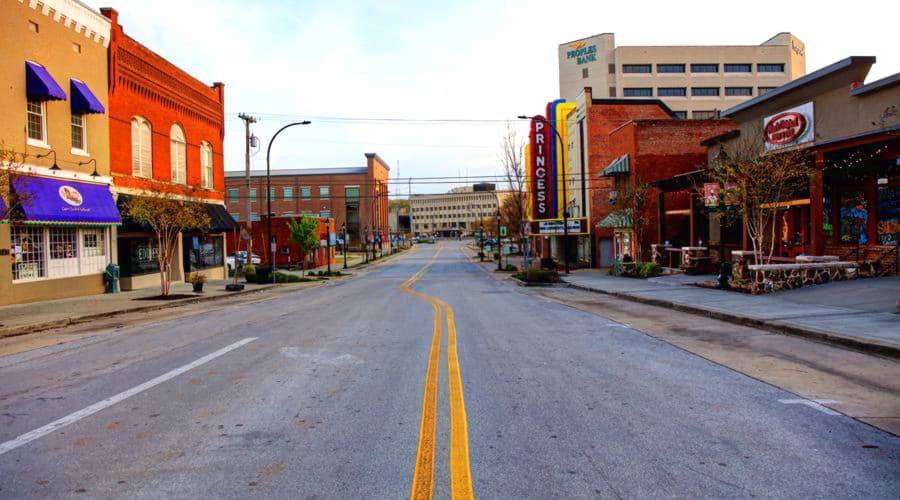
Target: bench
<point>767,278</point>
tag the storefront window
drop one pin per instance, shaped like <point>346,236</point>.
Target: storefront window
<point>826,208</point>
<point>28,253</point>
<point>137,256</point>
<point>854,217</point>
<point>205,251</point>
<point>888,215</point>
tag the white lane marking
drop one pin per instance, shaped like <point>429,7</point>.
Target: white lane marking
<point>813,403</point>
<point>106,403</point>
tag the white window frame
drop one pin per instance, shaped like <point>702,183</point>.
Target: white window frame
<point>141,147</point>
<point>206,165</point>
<point>178,154</point>
<point>80,265</point>
<point>42,142</point>
<point>82,151</point>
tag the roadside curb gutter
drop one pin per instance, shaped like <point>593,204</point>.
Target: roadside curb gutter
<point>775,326</point>
<point>15,331</point>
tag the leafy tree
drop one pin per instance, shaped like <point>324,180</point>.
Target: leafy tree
<point>304,234</point>
<point>512,208</point>
<point>755,184</point>
<point>167,217</point>
<point>14,191</point>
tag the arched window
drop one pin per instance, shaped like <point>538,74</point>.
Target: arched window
<point>178,154</point>
<point>206,164</point>
<point>141,148</point>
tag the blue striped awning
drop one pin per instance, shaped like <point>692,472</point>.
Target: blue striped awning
<point>617,166</point>
<point>620,219</point>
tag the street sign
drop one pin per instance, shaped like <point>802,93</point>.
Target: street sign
<point>503,231</point>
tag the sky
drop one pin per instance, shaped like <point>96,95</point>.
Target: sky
<point>479,63</point>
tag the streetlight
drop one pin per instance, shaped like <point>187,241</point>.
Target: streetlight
<point>269,196</point>
<point>499,244</point>
<point>562,151</point>
<point>344,242</point>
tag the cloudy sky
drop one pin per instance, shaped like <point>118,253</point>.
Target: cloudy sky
<point>477,62</point>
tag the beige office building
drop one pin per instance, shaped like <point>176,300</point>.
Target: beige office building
<point>456,212</point>
<point>694,81</point>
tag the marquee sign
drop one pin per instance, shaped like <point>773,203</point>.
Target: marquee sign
<point>791,127</point>
<point>542,203</point>
<point>557,227</point>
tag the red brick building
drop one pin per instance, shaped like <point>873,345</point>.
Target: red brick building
<point>166,132</point>
<point>646,151</point>
<point>355,196</point>
<point>288,253</point>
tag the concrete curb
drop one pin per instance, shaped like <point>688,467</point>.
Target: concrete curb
<point>16,331</point>
<point>870,347</point>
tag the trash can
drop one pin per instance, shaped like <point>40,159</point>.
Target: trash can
<point>111,278</point>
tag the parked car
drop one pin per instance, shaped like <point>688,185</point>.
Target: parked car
<point>241,258</point>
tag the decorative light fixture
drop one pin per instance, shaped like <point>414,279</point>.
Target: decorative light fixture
<point>51,152</point>
<point>94,161</point>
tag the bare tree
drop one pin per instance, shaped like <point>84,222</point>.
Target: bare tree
<point>513,207</point>
<point>167,216</point>
<point>635,202</point>
<point>14,193</point>
<point>756,184</point>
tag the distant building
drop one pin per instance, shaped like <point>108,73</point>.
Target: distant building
<point>355,196</point>
<point>456,212</point>
<point>484,186</point>
<point>694,81</point>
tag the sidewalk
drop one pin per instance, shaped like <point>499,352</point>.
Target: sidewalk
<point>857,313</point>
<point>20,319</point>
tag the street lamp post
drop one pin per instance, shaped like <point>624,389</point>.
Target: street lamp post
<point>562,151</point>
<point>344,242</point>
<point>269,196</point>
<point>499,244</point>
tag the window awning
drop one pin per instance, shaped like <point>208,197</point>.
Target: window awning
<point>617,220</point>
<point>64,201</point>
<point>220,221</point>
<point>617,166</point>
<point>40,85</point>
<point>83,100</point>
<point>2,208</point>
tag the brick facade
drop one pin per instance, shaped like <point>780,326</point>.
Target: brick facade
<point>288,253</point>
<point>144,84</point>
<point>288,195</point>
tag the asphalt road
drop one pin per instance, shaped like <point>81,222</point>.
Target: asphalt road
<point>320,394</point>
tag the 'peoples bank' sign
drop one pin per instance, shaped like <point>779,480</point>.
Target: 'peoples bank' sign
<point>582,52</point>
<point>789,127</point>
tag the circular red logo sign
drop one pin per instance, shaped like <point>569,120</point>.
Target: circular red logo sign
<point>786,128</point>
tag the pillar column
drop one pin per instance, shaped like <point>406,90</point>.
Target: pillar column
<point>693,220</point>
<point>661,214</point>
<point>817,205</point>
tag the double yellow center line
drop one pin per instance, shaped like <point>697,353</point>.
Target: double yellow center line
<point>460,472</point>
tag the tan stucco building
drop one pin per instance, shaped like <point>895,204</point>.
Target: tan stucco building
<point>54,99</point>
<point>694,81</point>
<point>456,212</point>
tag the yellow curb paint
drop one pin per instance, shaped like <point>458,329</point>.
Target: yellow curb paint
<point>423,476</point>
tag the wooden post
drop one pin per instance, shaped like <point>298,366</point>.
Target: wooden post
<point>692,241</point>
<point>871,190</point>
<point>817,206</point>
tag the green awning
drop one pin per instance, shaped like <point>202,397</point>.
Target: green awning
<point>617,166</point>
<point>619,219</point>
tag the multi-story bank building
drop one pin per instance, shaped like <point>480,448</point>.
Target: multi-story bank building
<point>695,81</point>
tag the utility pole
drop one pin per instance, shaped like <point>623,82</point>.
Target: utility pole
<point>248,205</point>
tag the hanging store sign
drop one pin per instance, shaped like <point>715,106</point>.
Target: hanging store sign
<point>542,203</point>
<point>790,127</point>
<point>557,227</point>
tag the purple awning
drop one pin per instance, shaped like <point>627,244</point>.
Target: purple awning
<point>83,100</point>
<point>2,208</point>
<point>63,201</point>
<point>40,85</point>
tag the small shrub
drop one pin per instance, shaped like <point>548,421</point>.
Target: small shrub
<point>249,273</point>
<point>649,270</point>
<point>538,276</point>
<point>510,268</point>
<point>196,279</point>
<point>287,278</point>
